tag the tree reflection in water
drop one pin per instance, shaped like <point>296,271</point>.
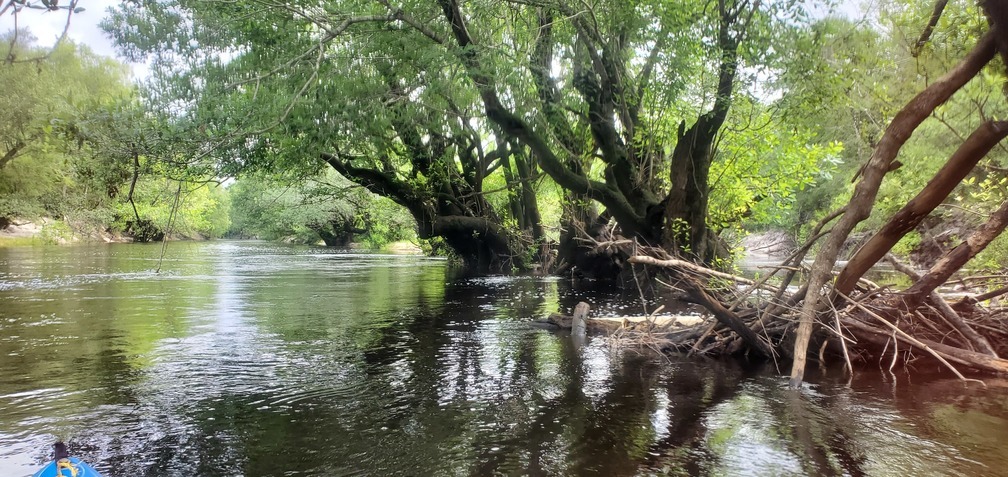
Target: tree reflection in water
<point>255,359</point>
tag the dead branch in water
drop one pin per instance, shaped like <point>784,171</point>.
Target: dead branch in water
<point>866,324</point>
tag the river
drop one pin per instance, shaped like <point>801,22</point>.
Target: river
<point>257,359</point>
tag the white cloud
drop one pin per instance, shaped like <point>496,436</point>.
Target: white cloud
<point>48,25</point>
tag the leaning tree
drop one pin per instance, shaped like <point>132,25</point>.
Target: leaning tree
<point>840,312</point>
<point>271,88</point>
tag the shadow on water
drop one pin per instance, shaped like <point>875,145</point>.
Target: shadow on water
<point>260,360</point>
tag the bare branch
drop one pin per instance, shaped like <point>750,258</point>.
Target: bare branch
<point>925,35</point>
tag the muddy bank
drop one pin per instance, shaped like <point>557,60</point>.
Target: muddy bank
<point>56,232</point>
<point>771,243</point>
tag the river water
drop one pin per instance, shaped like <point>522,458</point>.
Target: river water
<point>255,359</point>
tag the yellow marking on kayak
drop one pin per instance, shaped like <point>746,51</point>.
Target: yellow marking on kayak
<point>65,464</point>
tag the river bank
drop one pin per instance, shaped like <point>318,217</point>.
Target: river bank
<point>48,231</point>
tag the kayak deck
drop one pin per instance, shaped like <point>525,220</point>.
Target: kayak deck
<point>68,467</point>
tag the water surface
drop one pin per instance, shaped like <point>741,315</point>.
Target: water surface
<point>245,358</point>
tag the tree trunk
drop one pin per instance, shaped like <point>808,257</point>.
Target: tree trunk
<point>937,190</point>
<point>583,227</point>
<point>11,153</point>
<point>957,257</point>
<point>513,197</point>
<point>482,244</point>
<point>530,217</point>
<point>685,221</point>
<point>684,227</point>
<point>861,203</point>
<point>480,241</point>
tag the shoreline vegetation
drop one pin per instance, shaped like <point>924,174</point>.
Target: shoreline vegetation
<point>48,231</point>
<point>753,317</point>
<point>614,148</point>
<point>962,328</point>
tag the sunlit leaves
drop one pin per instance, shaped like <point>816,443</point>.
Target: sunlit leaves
<point>48,165</point>
<point>268,208</point>
<point>762,168</point>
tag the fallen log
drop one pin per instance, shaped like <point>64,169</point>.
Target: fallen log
<point>608,324</point>
<point>729,319</point>
<point>767,325</point>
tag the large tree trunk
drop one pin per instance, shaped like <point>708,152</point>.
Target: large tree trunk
<point>482,243</point>
<point>863,200</point>
<point>685,221</point>
<point>529,216</point>
<point>577,253</point>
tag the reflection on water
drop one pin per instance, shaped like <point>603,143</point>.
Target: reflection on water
<point>262,360</point>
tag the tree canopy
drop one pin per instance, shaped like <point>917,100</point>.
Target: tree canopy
<point>462,113</point>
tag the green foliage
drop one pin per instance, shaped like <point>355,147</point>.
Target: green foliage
<point>270,213</point>
<point>907,244</point>
<point>265,90</point>
<point>76,138</point>
<point>268,207</point>
<point>55,233</point>
<point>852,81</point>
<point>994,257</point>
<point>762,169</point>
<point>384,222</point>
<point>404,113</point>
<point>48,169</point>
<point>15,206</point>
<point>201,211</point>
<point>46,96</point>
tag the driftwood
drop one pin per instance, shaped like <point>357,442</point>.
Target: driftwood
<point>653,323</point>
<point>867,324</point>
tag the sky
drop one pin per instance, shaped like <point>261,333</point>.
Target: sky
<point>47,26</point>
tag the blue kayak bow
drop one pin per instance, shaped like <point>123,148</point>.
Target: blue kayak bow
<point>65,466</point>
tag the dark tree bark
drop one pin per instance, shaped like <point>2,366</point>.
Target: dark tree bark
<point>529,217</point>
<point>685,220</point>
<point>925,35</point>
<point>861,203</point>
<point>910,216</point>
<point>612,106</point>
<point>482,243</point>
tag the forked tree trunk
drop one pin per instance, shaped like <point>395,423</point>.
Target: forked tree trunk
<point>685,223</point>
